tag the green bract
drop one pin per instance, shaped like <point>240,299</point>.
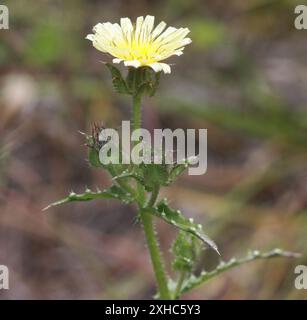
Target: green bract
<point>138,82</point>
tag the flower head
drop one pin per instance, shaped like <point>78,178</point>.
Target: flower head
<point>140,44</point>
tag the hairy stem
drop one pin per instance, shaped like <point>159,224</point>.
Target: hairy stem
<point>179,284</point>
<point>147,221</point>
<point>136,113</point>
<point>154,250</point>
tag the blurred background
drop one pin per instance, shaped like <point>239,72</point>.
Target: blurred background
<point>243,78</point>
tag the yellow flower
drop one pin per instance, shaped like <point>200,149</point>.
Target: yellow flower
<point>140,44</point>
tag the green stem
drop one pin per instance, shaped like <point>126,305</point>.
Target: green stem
<point>179,284</point>
<point>147,221</point>
<point>136,113</point>
<point>154,249</point>
<point>136,124</point>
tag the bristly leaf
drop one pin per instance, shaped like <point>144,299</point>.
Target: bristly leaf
<point>114,192</point>
<point>179,168</point>
<point>195,281</point>
<point>177,219</point>
<point>129,174</point>
<point>118,81</point>
<point>93,157</point>
<point>154,175</point>
<point>176,171</point>
<point>186,251</point>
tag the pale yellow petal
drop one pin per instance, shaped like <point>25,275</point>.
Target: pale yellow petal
<point>127,28</point>
<point>132,63</point>
<point>116,60</point>
<point>157,66</point>
<point>138,28</point>
<point>159,28</point>
<point>140,45</point>
<point>148,24</point>
<point>90,37</point>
